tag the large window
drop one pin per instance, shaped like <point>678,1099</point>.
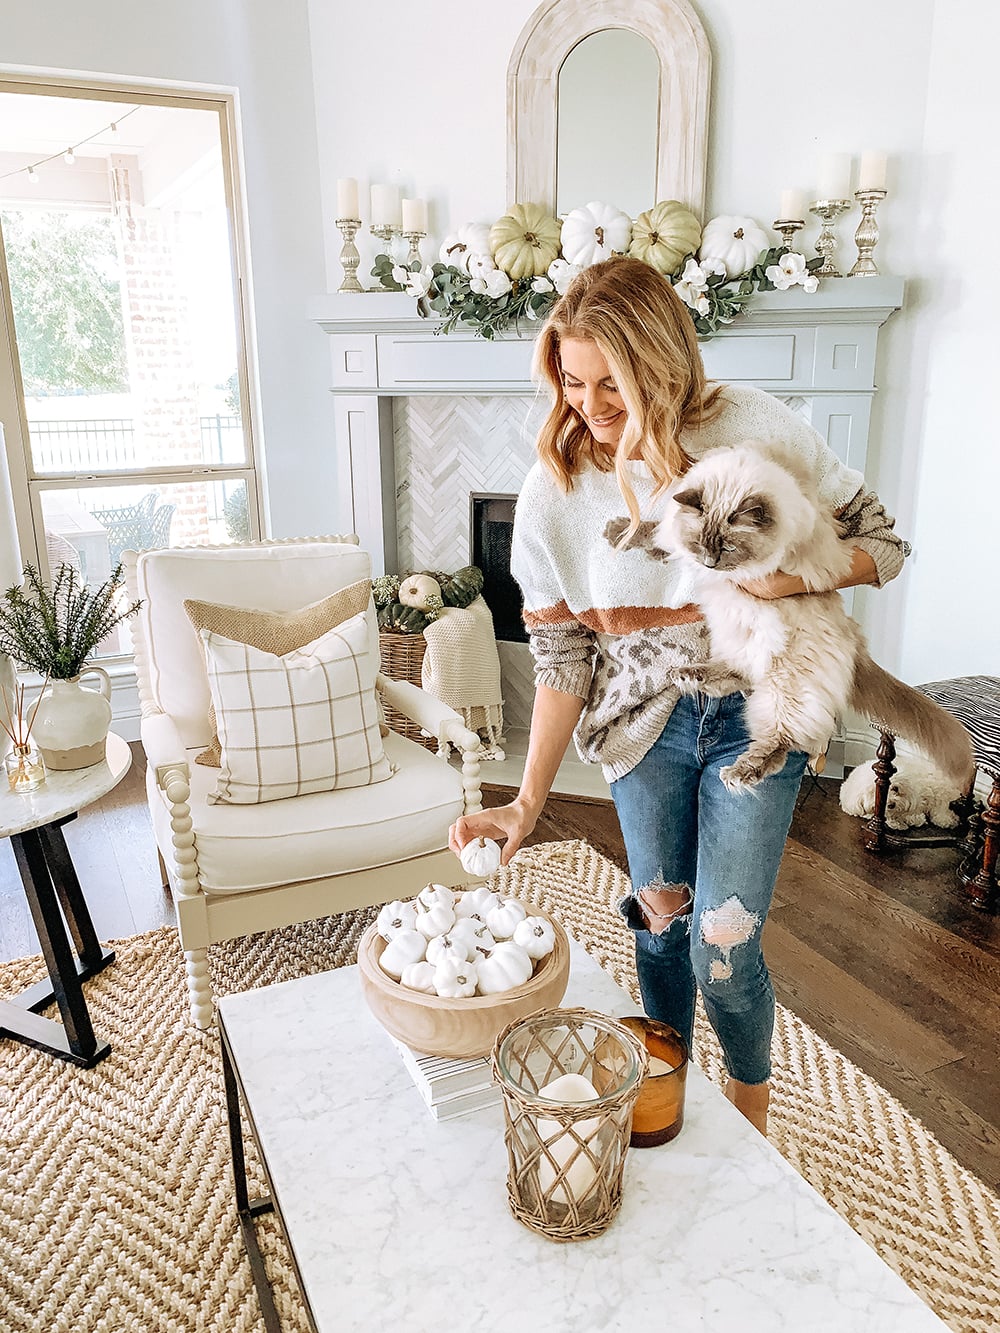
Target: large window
<point>124,390</point>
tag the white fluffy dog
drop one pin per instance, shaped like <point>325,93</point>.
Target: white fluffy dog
<point>918,794</point>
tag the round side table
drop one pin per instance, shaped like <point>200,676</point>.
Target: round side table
<point>33,822</point>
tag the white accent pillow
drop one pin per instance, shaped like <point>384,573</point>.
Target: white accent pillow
<point>303,722</point>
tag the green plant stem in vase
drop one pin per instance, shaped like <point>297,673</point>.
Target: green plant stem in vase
<point>54,630</point>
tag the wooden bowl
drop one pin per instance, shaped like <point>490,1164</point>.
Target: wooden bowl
<point>459,1028</point>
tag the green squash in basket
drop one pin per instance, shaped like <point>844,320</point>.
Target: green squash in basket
<point>402,619</point>
<point>462,587</point>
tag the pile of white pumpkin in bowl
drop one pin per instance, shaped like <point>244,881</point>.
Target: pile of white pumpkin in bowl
<point>457,944</point>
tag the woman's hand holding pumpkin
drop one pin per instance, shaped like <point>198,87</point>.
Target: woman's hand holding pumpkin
<point>509,824</point>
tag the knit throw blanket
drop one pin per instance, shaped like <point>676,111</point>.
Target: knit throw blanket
<point>462,667</point>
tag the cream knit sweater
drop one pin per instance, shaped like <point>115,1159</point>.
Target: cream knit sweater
<point>612,625</point>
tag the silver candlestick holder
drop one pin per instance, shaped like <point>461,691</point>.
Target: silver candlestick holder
<point>866,236</point>
<point>349,256</point>
<point>788,227</point>
<point>414,237</point>
<point>386,232</point>
<point>828,211</point>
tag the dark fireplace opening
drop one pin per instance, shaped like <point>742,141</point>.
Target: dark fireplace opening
<point>492,527</point>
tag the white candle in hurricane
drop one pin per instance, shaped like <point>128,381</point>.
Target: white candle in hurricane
<point>793,206</point>
<point>385,206</point>
<point>835,176</point>
<point>414,215</point>
<point>562,1145</point>
<point>872,174</point>
<point>347,198</point>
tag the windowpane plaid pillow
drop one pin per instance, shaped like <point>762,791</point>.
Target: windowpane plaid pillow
<point>302,722</point>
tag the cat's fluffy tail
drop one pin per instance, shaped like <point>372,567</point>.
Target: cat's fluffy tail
<point>911,715</point>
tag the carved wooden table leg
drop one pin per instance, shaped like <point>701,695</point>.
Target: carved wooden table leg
<point>981,883</point>
<point>875,839</point>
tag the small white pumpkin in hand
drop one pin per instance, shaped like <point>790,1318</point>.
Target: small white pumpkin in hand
<point>481,857</point>
<point>504,967</point>
<point>435,921</point>
<point>456,978</point>
<point>405,947</point>
<point>475,933</point>
<point>395,917</point>
<point>535,935</point>
<point>436,895</point>
<point>415,590</point>
<point>476,902</point>
<point>418,976</point>
<point>452,945</point>
<point>504,919</point>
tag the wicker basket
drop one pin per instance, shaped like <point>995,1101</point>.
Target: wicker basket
<point>402,655</point>
<point>567,1158</point>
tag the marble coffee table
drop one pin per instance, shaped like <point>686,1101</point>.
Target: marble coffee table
<point>396,1220</point>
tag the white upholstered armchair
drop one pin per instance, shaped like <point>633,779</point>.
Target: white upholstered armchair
<point>237,869</point>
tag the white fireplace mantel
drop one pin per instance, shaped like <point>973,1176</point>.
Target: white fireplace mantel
<point>817,350</point>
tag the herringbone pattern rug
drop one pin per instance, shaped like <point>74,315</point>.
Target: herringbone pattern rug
<point>116,1206</point>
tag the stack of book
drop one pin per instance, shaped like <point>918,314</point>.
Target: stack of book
<point>450,1087</point>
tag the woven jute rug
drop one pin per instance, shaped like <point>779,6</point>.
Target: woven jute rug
<point>116,1197</point>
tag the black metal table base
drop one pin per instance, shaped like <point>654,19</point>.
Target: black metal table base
<point>57,906</point>
<point>247,1208</point>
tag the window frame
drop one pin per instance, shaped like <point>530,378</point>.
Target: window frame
<point>27,485</point>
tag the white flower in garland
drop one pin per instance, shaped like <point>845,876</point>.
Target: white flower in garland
<point>541,285</point>
<point>561,273</point>
<point>493,283</point>
<point>416,284</point>
<point>791,271</point>
<point>478,265</point>
<point>692,285</point>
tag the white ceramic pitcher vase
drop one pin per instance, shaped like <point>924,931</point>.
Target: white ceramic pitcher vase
<point>71,722</point>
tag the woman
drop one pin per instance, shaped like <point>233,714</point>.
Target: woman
<point>610,619</point>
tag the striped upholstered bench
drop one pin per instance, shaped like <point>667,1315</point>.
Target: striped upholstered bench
<point>975,701</point>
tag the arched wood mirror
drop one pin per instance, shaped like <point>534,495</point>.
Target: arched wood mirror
<point>632,75</point>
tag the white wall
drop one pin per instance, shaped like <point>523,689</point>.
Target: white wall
<point>262,49</point>
<point>417,96</point>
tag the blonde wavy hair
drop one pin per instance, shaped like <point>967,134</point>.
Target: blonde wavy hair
<point>639,324</point>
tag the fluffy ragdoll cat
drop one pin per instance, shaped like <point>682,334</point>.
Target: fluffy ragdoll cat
<point>918,794</point>
<point>744,513</point>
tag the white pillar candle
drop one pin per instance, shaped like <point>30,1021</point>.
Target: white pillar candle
<point>872,174</point>
<point>835,176</point>
<point>414,215</point>
<point>793,206</point>
<point>347,198</point>
<point>561,1145</point>
<point>385,206</point>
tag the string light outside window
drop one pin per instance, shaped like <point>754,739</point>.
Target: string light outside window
<point>68,155</point>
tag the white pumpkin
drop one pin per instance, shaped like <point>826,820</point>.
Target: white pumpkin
<point>474,933</point>
<point>452,945</point>
<point>436,895</point>
<point>476,902</point>
<point>472,238</point>
<point>503,968</point>
<point>481,856</point>
<point>736,242</point>
<point>415,590</point>
<point>435,920</point>
<point>455,978</point>
<point>504,919</point>
<point>394,917</point>
<point>418,976</point>
<point>405,947</point>
<point>535,935</point>
<point>595,232</point>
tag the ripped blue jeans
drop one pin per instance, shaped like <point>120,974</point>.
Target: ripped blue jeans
<point>683,829</point>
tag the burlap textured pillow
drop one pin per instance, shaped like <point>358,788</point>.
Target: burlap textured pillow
<point>298,722</point>
<point>275,632</point>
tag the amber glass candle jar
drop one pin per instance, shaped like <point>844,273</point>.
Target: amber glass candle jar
<point>658,1113</point>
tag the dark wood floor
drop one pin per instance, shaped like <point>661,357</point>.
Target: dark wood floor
<point>882,958</point>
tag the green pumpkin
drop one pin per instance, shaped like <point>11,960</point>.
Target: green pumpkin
<point>462,587</point>
<point>400,619</point>
<point>665,235</point>
<point>525,241</point>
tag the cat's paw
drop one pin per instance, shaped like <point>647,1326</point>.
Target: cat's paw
<point>739,777</point>
<point>690,680</point>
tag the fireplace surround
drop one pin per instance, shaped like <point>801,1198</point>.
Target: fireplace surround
<point>425,421</point>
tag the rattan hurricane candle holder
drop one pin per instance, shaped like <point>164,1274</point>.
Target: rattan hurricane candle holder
<point>567,1157</point>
